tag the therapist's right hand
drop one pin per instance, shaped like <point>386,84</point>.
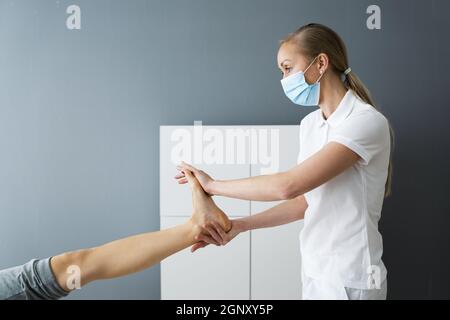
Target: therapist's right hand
<point>216,232</point>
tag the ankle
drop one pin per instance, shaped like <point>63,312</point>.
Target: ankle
<point>194,228</point>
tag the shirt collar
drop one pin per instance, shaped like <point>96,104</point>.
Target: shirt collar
<point>342,111</point>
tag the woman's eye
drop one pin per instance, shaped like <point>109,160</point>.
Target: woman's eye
<point>286,71</point>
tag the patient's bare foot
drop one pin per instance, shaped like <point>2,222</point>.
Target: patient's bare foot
<point>204,208</point>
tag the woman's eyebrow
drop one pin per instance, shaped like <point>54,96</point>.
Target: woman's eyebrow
<point>285,60</point>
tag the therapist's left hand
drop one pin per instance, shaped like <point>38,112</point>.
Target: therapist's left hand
<point>203,178</point>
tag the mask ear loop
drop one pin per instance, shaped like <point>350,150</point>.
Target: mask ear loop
<point>321,73</point>
<point>310,65</point>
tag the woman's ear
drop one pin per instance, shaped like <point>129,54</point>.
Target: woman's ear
<point>322,63</point>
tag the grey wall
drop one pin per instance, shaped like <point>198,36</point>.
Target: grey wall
<point>80,112</point>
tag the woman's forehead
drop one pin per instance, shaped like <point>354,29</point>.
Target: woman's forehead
<point>287,53</point>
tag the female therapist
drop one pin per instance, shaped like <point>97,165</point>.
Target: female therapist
<point>343,175</point>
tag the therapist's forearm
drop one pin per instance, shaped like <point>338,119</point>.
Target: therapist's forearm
<point>260,188</point>
<point>124,256</point>
<point>283,213</point>
<point>306,176</point>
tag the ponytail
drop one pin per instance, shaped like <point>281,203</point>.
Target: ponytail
<point>353,82</point>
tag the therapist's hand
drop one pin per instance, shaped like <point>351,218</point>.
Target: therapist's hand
<point>217,233</point>
<point>203,178</point>
<point>205,211</point>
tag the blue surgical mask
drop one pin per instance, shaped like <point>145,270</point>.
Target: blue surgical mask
<point>299,91</point>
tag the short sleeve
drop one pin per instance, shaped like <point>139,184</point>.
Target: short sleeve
<point>32,281</point>
<point>304,128</point>
<point>365,133</point>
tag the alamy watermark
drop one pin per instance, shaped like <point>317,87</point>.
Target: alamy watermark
<point>374,20</point>
<point>233,145</point>
<point>374,277</point>
<point>73,21</point>
<point>74,277</point>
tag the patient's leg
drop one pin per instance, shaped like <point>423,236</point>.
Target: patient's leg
<point>204,208</point>
<point>135,253</point>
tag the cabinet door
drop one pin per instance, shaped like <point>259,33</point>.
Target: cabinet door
<point>209,273</point>
<point>222,152</point>
<point>275,252</point>
<point>276,263</point>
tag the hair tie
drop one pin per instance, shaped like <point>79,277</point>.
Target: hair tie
<point>346,72</point>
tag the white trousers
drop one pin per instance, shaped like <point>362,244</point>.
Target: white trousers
<point>313,289</point>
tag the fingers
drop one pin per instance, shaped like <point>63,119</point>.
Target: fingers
<point>179,175</point>
<point>185,169</point>
<point>206,238</point>
<point>222,234</point>
<point>199,245</point>
<point>188,176</point>
<point>181,178</point>
<point>187,166</point>
<point>216,236</point>
<point>213,233</point>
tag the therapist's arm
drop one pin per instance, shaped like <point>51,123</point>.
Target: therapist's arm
<point>324,165</point>
<point>283,213</point>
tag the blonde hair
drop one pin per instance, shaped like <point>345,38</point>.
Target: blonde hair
<point>313,39</point>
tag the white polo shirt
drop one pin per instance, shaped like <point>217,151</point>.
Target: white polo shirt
<point>340,241</point>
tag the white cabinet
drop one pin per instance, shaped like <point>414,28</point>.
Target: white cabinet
<point>275,256</point>
<point>275,252</point>
<point>207,274</point>
<point>261,264</point>
<point>204,150</point>
<point>212,272</point>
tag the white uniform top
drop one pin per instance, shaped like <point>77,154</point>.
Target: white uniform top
<point>340,241</point>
